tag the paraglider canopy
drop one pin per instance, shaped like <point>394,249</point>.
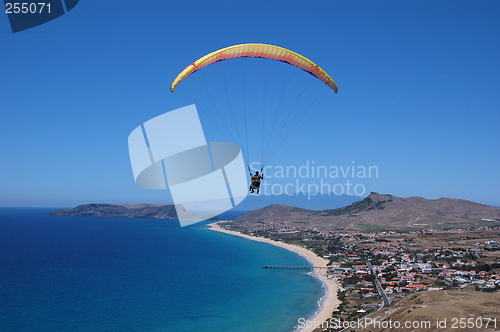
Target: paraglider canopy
<point>257,51</point>
<point>256,104</point>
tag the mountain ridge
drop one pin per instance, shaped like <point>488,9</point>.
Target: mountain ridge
<point>382,209</point>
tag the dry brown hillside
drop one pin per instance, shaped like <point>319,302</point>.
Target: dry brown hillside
<point>440,311</point>
<point>384,210</point>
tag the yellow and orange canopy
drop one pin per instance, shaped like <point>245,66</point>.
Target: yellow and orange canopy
<point>257,51</point>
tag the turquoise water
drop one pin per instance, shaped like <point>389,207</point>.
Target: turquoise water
<point>118,274</point>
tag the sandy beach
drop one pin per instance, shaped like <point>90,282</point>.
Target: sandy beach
<point>328,303</point>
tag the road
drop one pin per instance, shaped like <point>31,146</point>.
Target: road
<point>377,284</point>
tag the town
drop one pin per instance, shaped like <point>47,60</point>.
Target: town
<point>375,269</point>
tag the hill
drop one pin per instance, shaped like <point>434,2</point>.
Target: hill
<point>384,211</point>
<point>443,310</point>
<point>317,202</point>
<point>126,211</point>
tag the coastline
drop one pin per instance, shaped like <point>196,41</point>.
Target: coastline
<point>327,302</point>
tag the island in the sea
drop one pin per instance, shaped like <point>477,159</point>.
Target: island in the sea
<point>167,211</point>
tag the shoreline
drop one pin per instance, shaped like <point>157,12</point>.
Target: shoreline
<point>327,303</point>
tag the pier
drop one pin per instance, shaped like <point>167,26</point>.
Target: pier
<point>283,267</point>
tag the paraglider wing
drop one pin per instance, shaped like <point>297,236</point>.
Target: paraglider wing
<point>257,51</point>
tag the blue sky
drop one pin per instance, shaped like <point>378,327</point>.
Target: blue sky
<point>418,92</point>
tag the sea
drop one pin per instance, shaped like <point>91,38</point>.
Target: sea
<point>61,273</point>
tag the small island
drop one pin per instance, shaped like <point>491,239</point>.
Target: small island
<point>152,211</point>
